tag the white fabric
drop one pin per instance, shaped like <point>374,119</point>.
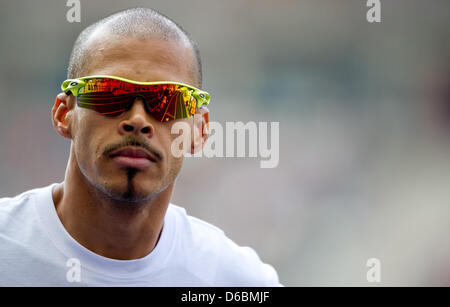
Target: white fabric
<point>35,250</point>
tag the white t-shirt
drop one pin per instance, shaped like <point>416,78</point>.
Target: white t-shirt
<point>36,250</point>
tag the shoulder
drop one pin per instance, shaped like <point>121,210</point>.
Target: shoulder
<point>233,265</point>
<point>17,207</point>
<point>243,265</point>
<point>8,204</point>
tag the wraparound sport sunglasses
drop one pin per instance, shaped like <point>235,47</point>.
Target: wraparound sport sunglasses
<point>111,96</point>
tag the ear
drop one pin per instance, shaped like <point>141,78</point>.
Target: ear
<point>59,115</point>
<point>201,130</point>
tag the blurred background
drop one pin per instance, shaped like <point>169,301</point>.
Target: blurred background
<point>364,113</point>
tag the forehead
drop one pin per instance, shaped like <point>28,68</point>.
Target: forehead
<point>151,59</point>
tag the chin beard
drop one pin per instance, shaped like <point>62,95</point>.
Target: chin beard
<point>122,197</point>
<point>130,195</point>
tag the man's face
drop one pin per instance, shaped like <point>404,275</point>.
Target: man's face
<point>95,135</point>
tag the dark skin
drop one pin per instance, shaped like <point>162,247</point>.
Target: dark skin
<point>112,210</point>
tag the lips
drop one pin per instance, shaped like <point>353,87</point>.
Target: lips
<point>133,157</point>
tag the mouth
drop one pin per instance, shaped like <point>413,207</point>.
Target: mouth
<point>133,157</point>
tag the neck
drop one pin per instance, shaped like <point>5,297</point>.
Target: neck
<point>115,230</point>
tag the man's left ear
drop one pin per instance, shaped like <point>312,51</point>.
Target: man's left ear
<point>201,130</point>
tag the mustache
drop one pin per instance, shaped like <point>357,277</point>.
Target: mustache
<point>133,140</point>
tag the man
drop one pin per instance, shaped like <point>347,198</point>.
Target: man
<point>132,76</point>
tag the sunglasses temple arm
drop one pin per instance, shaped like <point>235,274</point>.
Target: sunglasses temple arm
<point>72,85</point>
<point>202,98</point>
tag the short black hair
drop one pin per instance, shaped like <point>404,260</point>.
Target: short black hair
<point>138,22</point>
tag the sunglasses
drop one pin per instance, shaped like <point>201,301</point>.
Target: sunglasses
<point>111,96</point>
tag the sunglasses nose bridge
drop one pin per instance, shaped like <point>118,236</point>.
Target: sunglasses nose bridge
<point>137,97</point>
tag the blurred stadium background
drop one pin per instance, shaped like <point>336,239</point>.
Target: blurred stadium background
<point>364,112</point>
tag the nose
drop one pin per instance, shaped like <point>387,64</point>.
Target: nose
<point>136,120</point>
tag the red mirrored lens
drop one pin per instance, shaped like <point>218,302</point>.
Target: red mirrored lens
<point>112,97</point>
